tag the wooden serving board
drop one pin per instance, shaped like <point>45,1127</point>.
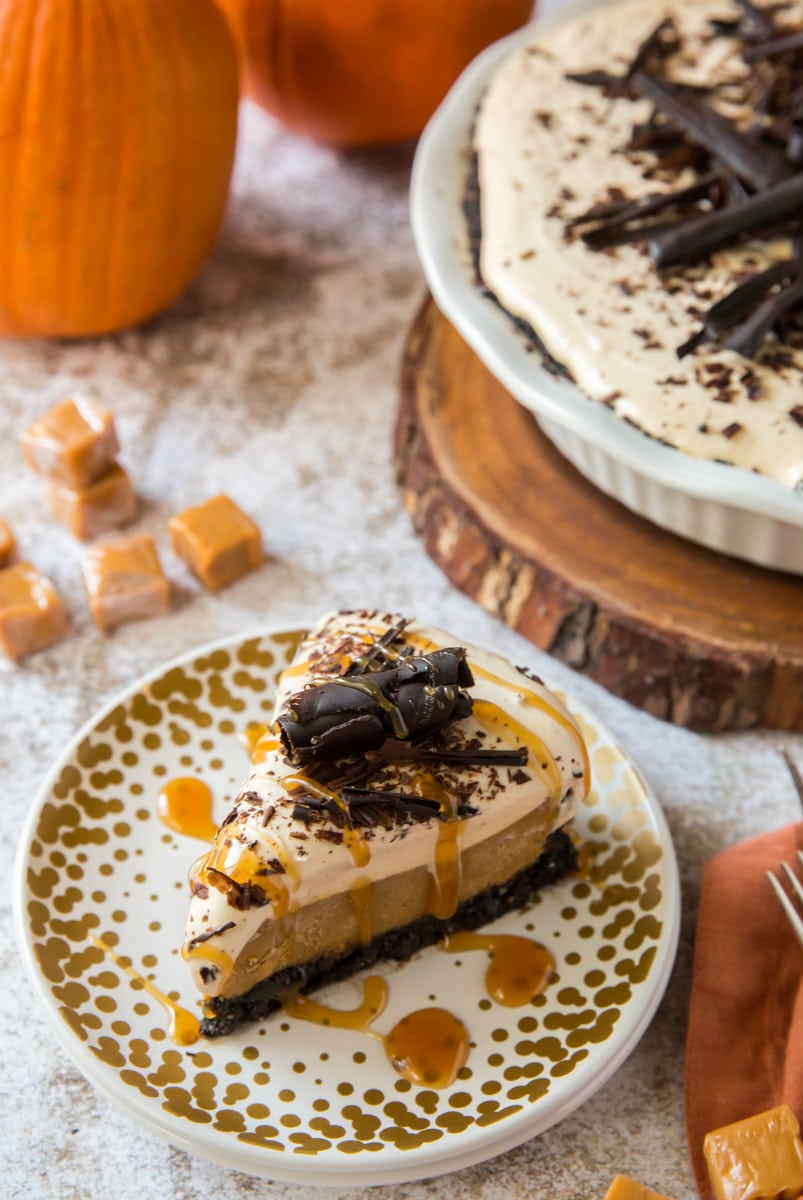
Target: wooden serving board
<point>692,636</point>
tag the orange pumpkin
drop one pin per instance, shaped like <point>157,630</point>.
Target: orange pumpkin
<point>353,72</point>
<point>118,122</point>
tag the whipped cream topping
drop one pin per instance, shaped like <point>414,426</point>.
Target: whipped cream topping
<point>548,149</point>
<point>511,709</point>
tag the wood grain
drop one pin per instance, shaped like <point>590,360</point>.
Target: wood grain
<point>692,636</point>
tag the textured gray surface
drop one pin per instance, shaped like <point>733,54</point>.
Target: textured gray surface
<point>274,378</point>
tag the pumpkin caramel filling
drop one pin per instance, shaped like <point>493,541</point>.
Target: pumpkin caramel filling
<point>461,769</point>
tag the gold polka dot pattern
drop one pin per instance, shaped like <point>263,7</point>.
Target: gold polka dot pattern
<point>102,870</point>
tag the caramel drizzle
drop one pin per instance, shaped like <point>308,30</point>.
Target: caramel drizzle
<point>533,700</point>
<point>211,954</point>
<point>444,890</point>
<point>499,722</point>
<point>260,740</point>
<point>361,892</point>
<point>242,866</point>
<point>183,1027</point>
<point>519,970</point>
<point>185,806</point>
<point>374,1001</point>
<point>428,1046</point>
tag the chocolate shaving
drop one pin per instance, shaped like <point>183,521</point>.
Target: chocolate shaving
<point>400,752</point>
<point>695,239</point>
<point>611,220</point>
<point>748,338</point>
<point>733,308</point>
<point>751,178</point>
<point>663,40</point>
<point>210,933</point>
<point>760,166</point>
<point>781,45</point>
<point>412,805</point>
<point>379,650</point>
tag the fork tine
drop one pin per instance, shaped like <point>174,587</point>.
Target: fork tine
<point>794,771</point>
<point>794,882</point>
<point>794,919</point>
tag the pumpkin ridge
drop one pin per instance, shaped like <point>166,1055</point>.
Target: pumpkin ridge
<point>22,106</point>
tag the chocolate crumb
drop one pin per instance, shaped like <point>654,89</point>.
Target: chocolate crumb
<point>731,430</point>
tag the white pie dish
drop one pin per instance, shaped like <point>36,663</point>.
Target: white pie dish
<point>726,508</point>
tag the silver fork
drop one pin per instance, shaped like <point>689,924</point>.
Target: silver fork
<point>795,886</point>
<point>795,920</point>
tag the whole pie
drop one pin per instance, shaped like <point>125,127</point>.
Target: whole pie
<point>637,205</point>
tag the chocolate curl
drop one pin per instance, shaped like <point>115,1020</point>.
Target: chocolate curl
<point>344,717</point>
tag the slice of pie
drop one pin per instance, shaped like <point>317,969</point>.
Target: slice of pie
<point>407,788</point>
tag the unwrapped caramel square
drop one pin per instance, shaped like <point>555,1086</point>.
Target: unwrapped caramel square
<point>759,1158</point>
<point>74,442</point>
<point>88,512</point>
<point>624,1188</point>
<point>7,544</point>
<point>217,541</point>
<point>124,581</point>
<point>32,615</point>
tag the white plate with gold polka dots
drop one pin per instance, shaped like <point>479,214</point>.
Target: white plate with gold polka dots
<point>101,898</point>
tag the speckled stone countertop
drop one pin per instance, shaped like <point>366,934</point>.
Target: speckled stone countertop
<point>274,378</point>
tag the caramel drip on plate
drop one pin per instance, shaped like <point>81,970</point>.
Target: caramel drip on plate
<point>358,847</point>
<point>185,806</point>
<point>519,970</point>
<point>375,998</point>
<point>428,1046</point>
<point>183,1028</point>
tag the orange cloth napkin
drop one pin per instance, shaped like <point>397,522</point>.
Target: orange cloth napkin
<point>744,1044</point>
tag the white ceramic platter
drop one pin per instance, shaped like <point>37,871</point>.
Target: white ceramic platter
<point>723,507</point>
<point>290,1100</point>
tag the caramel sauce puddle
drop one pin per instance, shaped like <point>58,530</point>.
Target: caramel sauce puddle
<point>519,970</point>
<point>185,806</point>
<point>428,1046</point>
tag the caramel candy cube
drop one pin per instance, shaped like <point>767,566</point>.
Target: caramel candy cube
<point>124,581</point>
<point>88,512</point>
<point>75,443</point>
<point>759,1158</point>
<point>32,615</point>
<point>624,1188</point>
<point>217,541</point>
<point>7,544</point>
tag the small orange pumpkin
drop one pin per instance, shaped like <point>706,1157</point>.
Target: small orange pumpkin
<point>118,122</point>
<point>354,72</point>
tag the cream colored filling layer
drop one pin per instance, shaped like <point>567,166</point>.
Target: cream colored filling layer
<point>511,710</point>
<point>548,149</point>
